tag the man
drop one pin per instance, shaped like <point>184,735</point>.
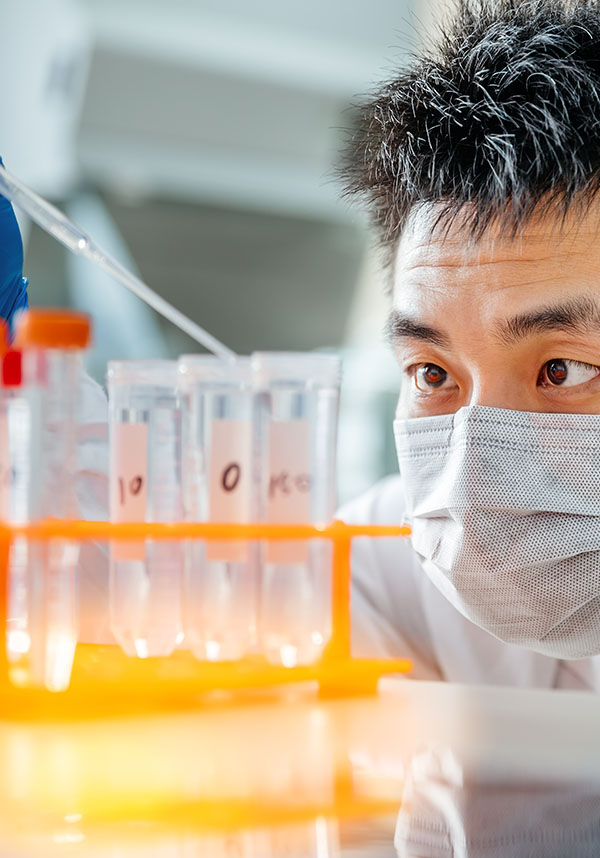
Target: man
<point>480,167</point>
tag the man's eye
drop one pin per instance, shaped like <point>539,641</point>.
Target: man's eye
<point>566,373</point>
<point>429,377</point>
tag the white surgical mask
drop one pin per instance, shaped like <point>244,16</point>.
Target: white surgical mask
<point>505,512</point>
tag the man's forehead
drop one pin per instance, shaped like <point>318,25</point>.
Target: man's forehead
<point>552,235</point>
<point>546,278</point>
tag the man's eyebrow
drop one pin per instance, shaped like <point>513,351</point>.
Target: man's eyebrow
<point>399,327</point>
<point>579,314</point>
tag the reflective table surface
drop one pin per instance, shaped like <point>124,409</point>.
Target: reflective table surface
<point>423,769</point>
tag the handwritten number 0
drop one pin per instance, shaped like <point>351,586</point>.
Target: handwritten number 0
<point>231,477</point>
<point>134,486</point>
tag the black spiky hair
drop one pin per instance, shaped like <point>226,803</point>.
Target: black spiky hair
<point>497,121</point>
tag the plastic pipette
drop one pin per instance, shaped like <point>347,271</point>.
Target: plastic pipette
<point>54,222</point>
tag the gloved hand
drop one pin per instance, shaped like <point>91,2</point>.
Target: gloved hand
<point>13,286</point>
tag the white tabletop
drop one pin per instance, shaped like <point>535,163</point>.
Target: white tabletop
<point>82,784</point>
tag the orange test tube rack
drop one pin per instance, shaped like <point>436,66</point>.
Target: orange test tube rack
<point>106,681</point>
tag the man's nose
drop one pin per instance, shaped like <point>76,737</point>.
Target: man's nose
<point>500,393</point>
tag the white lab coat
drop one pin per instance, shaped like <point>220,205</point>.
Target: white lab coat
<point>397,612</point>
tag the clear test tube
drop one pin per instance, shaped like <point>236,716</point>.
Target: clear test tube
<point>220,577</point>
<point>145,485</point>
<point>297,401</point>
<point>20,457</point>
<point>42,400</point>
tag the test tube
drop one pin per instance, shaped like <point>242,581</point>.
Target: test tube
<point>20,456</point>
<point>297,401</point>
<point>41,401</point>
<point>145,485</point>
<point>220,577</point>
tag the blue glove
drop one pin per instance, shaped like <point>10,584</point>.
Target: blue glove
<point>13,286</point>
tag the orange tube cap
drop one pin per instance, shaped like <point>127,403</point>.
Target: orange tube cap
<point>53,329</point>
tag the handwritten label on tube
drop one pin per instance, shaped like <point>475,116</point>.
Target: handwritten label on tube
<point>229,484</point>
<point>128,483</point>
<point>290,484</point>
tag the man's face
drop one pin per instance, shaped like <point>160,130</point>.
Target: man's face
<point>509,323</point>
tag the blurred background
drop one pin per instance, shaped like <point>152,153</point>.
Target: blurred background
<point>196,140</point>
